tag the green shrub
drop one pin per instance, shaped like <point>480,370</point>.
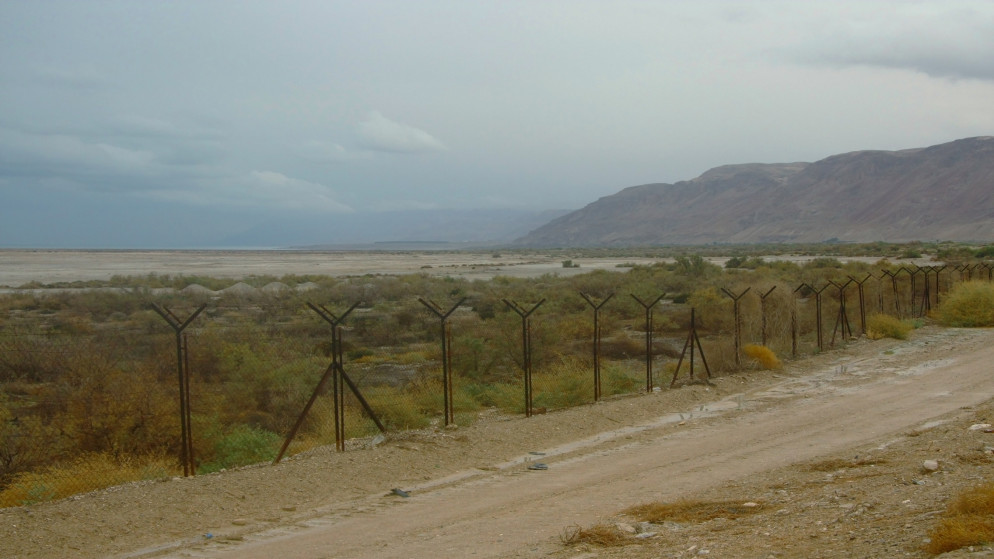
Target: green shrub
<point>241,446</point>
<point>879,326</point>
<point>969,304</point>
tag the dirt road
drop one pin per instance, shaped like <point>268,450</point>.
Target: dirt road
<point>517,512</point>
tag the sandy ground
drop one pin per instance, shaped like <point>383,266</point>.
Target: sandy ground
<point>18,267</point>
<point>759,436</point>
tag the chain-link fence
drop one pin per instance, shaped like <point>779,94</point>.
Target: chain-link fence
<point>93,384</point>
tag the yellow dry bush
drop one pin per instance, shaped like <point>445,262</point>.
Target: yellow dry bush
<point>86,473</point>
<point>969,304</point>
<point>602,535</point>
<point>692,511</point>
<point>879,326</point>
<point>762,355</point>
<point>969,520</point>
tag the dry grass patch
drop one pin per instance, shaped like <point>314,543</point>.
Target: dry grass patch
<point>692,511</point>
<point>880,326</point>
<point>762,355</point>
<point>85,474</point>
<point>969,520</point>
<point>602,535</point>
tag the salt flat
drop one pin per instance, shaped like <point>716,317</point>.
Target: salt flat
<point>18,267</point>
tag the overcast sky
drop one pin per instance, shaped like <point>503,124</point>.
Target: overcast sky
<point>239,111</point>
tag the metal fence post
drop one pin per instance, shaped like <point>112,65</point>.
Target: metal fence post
<point>648,339</point>
<point>526,348</point>
<point>183,373</point>
<point>446,354</point>
<point>738,322</point>
<point>597,342</point>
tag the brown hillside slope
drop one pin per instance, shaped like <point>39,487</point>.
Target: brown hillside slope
<point>941,192</point>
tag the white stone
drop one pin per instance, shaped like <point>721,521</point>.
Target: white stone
<point>931,465</point>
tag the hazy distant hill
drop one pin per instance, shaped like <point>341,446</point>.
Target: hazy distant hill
<point>448,226</point>
<point>941,192</point>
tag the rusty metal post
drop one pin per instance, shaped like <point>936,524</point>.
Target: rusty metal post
<point>336,372</point>
<point>893,284</point>
<point>862,302</point>
<point>648,339</point>
<point>926,305</point>
<point>526,348</point>
<point>738,322</point>
<point>819,326</point>
<point>446,354</point>
<point>183,374</point>
<point>842,318</point>
<point>793,326</point>
<point>597,341</point>
<point>762,307</point>
<point>937,289</point>
<point>692,339</point>
<point>914,289</point>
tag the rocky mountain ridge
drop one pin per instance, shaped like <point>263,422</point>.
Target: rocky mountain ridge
<point>942,192</point>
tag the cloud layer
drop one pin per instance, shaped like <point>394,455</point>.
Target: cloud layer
<point>240,112</point>
<point>379,133</point>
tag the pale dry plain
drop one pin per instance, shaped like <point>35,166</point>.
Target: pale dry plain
<point>18,267</point>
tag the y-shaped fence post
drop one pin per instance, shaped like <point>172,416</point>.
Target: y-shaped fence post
<point>862,301</point>
<point>762,310</point>
<point>183,371</point>
<point>526,348</point>
<point>893,285</point>
<point>597,342</point>
<point>842,319</point>
<point>738,322</point>
<point>692,339</point>
<point>648,339</point>
<point>446,354</point>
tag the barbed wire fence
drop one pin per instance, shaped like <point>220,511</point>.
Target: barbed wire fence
<point>91,403</point>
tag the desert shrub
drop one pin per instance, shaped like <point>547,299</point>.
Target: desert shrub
<point>762,355</point>
<point>968,520</point>
<point>428,395</point>
<point>618,379</point>
<point>505,395</point>
<point>241,446</point>
<point>565,383</point>
<point>86,473</point>
<point>691,511</point>
<point>969,304</point>
<point>601,535</point>
<point>879,326</point>
<point>396,408</point>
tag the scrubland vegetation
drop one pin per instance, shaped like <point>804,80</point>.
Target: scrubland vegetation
<point>88,377</point>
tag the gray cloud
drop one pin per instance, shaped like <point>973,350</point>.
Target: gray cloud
<point>256,108</point>
<point>258,189</point>
<point>330,152</point>
<point>379,133</point>
<point>941,43</point>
